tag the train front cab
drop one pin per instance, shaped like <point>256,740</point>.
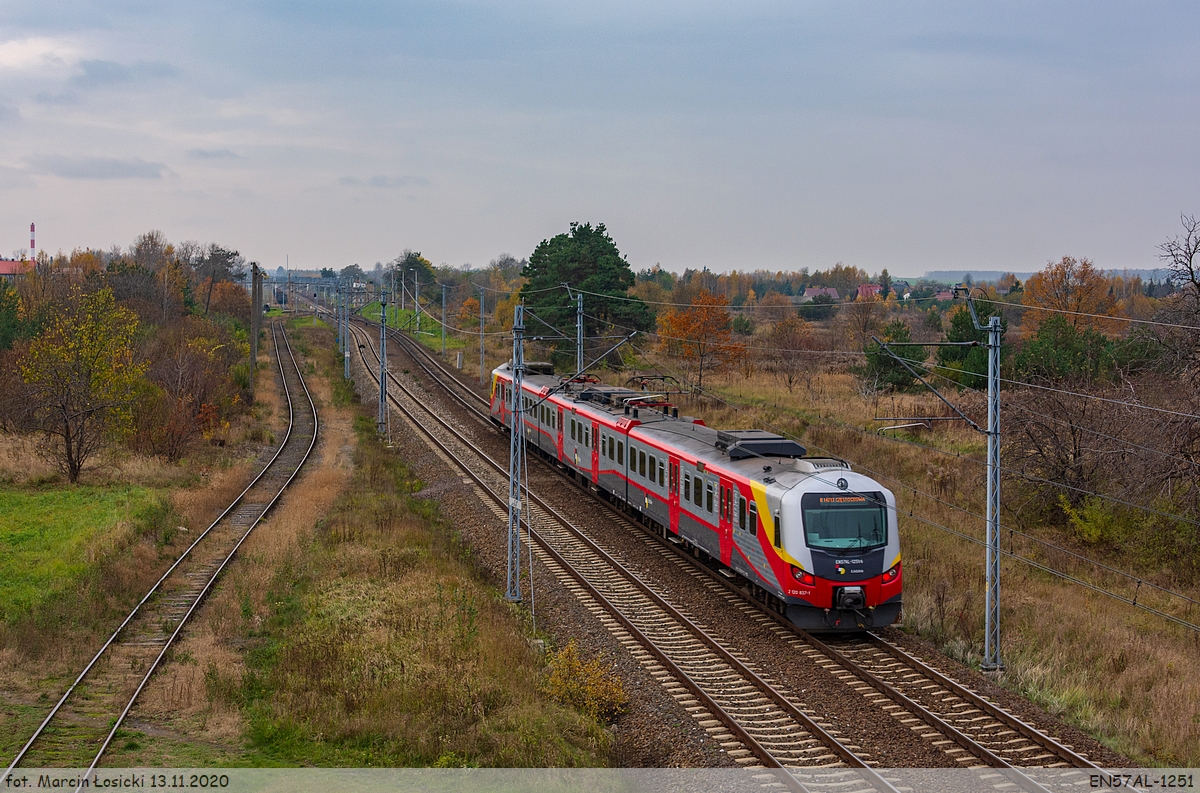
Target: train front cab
<point>844,574</point>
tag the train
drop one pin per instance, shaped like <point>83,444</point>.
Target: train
<point>810,537</point>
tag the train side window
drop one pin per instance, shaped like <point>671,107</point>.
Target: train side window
<point>641,463</point>
<point>698,492</point>
<point>620,452</point>
<point>741,513</point>
<point>778,532</point>
<point>687,487</point>
<point>661,474</point>
<point>753,519</point>
<point>611,454</point>
<point>708,505</point>
<point>653,468</point>
<point>573,425</point>
<point>587,436</point>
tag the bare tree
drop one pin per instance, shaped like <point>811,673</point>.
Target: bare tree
<point>1180,256</point>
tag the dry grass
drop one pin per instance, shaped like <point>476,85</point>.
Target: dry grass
<point>1117,672</point>
<point>350,632</point>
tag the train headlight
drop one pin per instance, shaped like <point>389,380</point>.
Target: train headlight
<point>892,575</point>
<point>803,577</point>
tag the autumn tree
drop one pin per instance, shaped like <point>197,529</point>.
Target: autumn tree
<point>864,318</point>
<point>187,386</point>
<point>10,315</point>
<point>469,312</point>
<point>699,334</point>
<point>775,307</point>
<point>82,378</point>
<point>219,264</point>
<point>788,341</point>
<point>1070,285</point>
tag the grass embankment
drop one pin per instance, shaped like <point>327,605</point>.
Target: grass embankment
<point>430,326</point>
<point>51,538</point>
<point>368,636</point>
<point>1116,672</point>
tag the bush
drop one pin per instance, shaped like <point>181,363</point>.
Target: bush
<point>585,685</point>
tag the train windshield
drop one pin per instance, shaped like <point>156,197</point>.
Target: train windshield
<point>843,521</point>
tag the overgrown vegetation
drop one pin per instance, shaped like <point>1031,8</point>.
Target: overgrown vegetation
<point>383,645</point>
<point>145,347</point>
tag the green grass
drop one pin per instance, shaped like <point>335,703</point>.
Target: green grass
<point>50,538</point>
<point>431,328</point>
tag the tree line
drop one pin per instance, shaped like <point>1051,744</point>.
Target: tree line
<point>144,347</point>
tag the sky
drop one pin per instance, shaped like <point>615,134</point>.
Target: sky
<point>910,136</point>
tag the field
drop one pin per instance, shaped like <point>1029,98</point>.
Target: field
<point>51,537</point>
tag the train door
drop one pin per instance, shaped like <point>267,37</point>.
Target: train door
<point>558,444</point>
<point>725,518</point>
<point>673,493</point>
<point>595,450</point>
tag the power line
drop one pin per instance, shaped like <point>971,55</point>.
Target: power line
<point>1011,530</point>
<point>1023,306</point>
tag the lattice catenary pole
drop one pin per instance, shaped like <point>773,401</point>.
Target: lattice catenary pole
<point>516,455</point>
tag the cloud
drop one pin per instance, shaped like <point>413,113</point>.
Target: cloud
<point>212,154</point>
<point>98,74</point>
<point>96,167</point>
<point>9,113</point>
<point>67,98</point>
<point>379,180</point>
<point>34,53</point>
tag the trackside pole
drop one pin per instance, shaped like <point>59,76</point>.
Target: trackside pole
<point>381,420</point>
<point>346,333</point>
<point>516,455</point>
<point>991,641</point>
<point>482,373</point>
<point>579,332</point>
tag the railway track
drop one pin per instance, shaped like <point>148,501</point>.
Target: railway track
<point>756,722</point>
<point>81,726</point>
<point>964,724</point>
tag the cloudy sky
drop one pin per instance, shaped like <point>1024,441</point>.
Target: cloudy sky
<point>913,136</point>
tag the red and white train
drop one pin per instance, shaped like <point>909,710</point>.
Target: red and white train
<point>808,535</point>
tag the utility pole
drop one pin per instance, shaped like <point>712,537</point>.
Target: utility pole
<point>256,305</point>
<point>381,421</point>
<point>482,372</point>
<point>417,302</point>
<point>443,320</point>
<point>346,331</point>
<point>516,458</point>
<point>579,332</point>
<point>991,639</point>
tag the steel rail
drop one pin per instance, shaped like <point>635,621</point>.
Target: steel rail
<point>891,692</point>
<point>705,638</point>
<point>710,704</point>
<point>149,594</point>
<point>959,690</point>
<point>229,557</point>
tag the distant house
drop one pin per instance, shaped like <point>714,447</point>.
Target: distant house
<point>815,291</point>
<point>11,268</point>
<point>944,294</point>
<point>900,287</point>
<point>866,291</point>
